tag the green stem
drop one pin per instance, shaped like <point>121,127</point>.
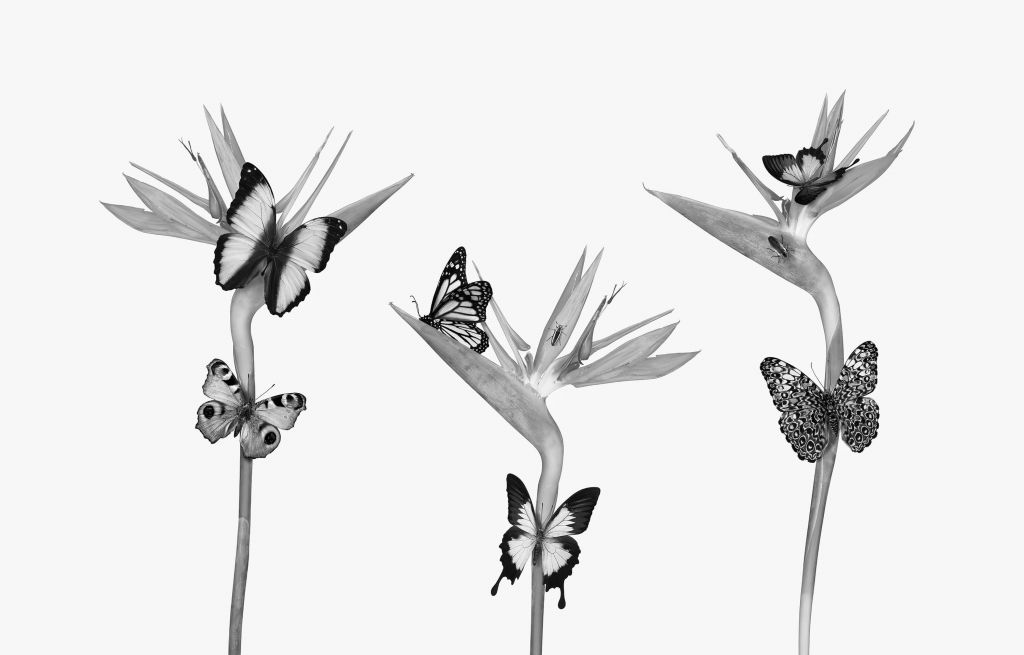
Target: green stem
<point>832,324</point>
<point>244,304</point>
<point>547,495</point>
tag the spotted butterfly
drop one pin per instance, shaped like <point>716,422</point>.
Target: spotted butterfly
<point>550,546</point>
<point>458,304</point>
<point>806,171</point>
<point>807,409</point>
<point>253,246</point>
<point>232,411</point>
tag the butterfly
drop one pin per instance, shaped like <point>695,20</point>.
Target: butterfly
<point>550,547</point>
<point>807,409</point>
<point>459,305</point>
<point>232,411</point>
<point>805,171</point>
<point>253,246</point>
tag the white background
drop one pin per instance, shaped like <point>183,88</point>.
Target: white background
<point>530,130</point>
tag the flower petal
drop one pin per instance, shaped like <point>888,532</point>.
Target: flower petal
<point>355,213</point>
<point>194,198</point>
<point>852,155</point>
<point>523,408</point>
<point>504,359</point>
<point>821,128</point>
<point>612,338</point>
<point>229,137</point>
<point>567,316</point>
<point>513,337</point>
<point>151,223</point>
<point>285,203</point>
<point>173,209</point>
<point>634,350</point>
<point>835,123</point>
<point>302,211</point>
<point>856,179</point>
<point>218,210</point>
<point>770,196</point>
<point>647,369</point>
<point>230,166</point>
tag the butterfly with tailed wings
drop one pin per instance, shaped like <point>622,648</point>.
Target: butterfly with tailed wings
<point>808,410</point>
<point>549,544</point>
<point>459,305</point>
<point>230,410</point>
<point>255,247</point>
<point>805,171</point>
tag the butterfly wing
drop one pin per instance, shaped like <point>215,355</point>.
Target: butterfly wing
<point>215,420</point>
<point>258,438</point>
<point>857,414</point>
<point>306,248</point>
<point>281,410</point>
<point>221,384</point>
<point>803,407</point>
<point>559,551</point>
<point>253,223</point>
<point>467,304</point>
<point>468,334</point>
<point>452,277</point>
<point>518,543</point>
<point>784,168</point>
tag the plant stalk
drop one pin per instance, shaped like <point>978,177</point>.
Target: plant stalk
<point>547,494</point>
<point>831,321</point>
<point>244,304</point>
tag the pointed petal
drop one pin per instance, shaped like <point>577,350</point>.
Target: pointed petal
<point>852,155</point>
<point>302,211</point>
<point>584,347</point>
<point>229,165</point>
<point>354,214</point>
<point>856,179</point>
<point>769,196</point>
<point>574,280</point>
<point>748,234</point>
<point>523,408</point>
<point>229,137</point>
<point>285,203</point>
<point>194,198</point>
<point>215,202</point>
<point>506,362</point>
<point>820,130</point>
<point>513,338</point>
<point>648,369</point>
<point>612,338</point>
<point>151,223</point>
<point>635,350</point>
<point>835,123</point>
<point>568,316</point>
<point>173,209</point>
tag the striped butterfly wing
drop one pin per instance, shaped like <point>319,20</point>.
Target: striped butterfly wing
<point>458,305</point>
<point>803,406</point>
<point>452,277</point>
<point>858,414</point>
<point>281,410</point>
<point>306,248</point>
<point>520,541</point>
<point>252,220</point>
<point>559,552</point>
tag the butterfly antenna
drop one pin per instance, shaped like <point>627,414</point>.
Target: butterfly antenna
<point>188,149</point>
<point>820,384</point>
<point>266,392</point>
<point>615,291</point>
<point>415,303</point>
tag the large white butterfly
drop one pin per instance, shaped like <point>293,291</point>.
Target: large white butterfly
<point>807,409</point>
<point>254,247</point>
<point>550,546</point>
<point>805,171</point>
<point>458,304</point>
<point>232,411</point>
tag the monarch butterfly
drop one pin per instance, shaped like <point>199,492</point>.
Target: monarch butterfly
<point>458,304</point>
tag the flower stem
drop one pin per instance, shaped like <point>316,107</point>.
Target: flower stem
<point>244,304</point>
<point>547,494</point>
<point>832,324</point>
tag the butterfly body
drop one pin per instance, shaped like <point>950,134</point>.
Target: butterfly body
<point>230,410</point>
<point>810,414</point>
<point>548,544</point>
<point>806,171</point>
<point>255,247</point>
<point>459,305</point>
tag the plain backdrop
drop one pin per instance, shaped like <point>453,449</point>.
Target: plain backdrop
<point>530,128</point>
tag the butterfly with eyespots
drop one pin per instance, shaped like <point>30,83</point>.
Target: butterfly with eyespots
<point>254,247</point>
<point>546,544</point>
<point>231,410</point>
<point>810,414</point>
<point>459,305</point>
<point>805,171</point>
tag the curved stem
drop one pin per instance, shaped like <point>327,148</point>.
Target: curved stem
<point>244,304</point>
<point>547,494</point>
<point>832,324</point>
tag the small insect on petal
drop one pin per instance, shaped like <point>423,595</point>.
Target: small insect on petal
<point>779,247</point>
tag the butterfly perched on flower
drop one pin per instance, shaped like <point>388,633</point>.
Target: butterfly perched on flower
<point>807,409</point>
<point>806,171</point>
<point>548,545</point>
<point>458,304</point>
<point>231,410</point>
<point>254,246</point>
